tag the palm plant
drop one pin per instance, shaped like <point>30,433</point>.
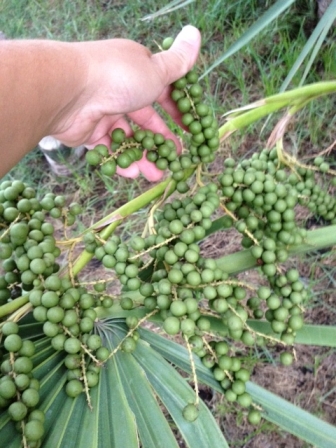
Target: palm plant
<point>143,396</point>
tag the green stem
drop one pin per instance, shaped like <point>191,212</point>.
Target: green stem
<point>132,206</point>
<point>322,335</point>
<point>314,90</point>
<point>249,117</point>
<point>240,118</point>
<point>315,240</point>
<point>14,305</point>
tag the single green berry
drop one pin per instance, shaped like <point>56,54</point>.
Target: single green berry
<point>286,358</point>
<point>118,135</point>
<point>167,43</point>
<point>30,397</point>
<point>23,364</point>
<point>124,160</point>
<point>73,388</point>
<point>27,349</point>
<point>102,354</point>
<point>94,342</point>
<point>22,381</point>
<point>109,168</point>
<point>7,389</point>
<point>190,412</point>
<point>92,378</point>
<point>13,343</point>
<point>37,414</point>
<point>254,417</point>
<point>128,345</point>
<point>10,328</point>
<point>33,430</point>
<point>171,325</point>
<point>93,157</point>
<point>72,345</point>
<point>17,411</point>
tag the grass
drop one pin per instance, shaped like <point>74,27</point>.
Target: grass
<point>259,70</point>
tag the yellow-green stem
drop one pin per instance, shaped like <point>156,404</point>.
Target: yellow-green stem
<point>315,240</point>
<point>249,117</point>
<point>312,90</point>
<point>240,118</point>
<point>12,306</point>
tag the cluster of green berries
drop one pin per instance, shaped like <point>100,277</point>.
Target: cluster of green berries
<point>29,254</point>
<point>262,193</point>
<point>27,243</point>
<point>114,254</point>
<point>68,318</point>
<point>258,192</point>
<point>320,201</point>
<point>322,165</point>
<point>285,306</point>
<point>126,150</point>
<point>183,286</point>
<point>56,208</point>
<point>19,390</point>
<point>226,366</point>
<point>184,222</point>
<point>197,116</point>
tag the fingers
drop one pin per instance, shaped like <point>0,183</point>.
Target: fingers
<point>131,172</point>
<point>148,118</point>
<point>149,170</point>
<point>102,133</point>
<point>180,58</point>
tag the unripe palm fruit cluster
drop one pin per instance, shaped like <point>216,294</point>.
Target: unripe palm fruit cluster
<point>19,390</point>
<point>198,119</point>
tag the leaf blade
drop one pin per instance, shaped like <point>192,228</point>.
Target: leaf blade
<point>268,17</point>
<point>321,335</point>
<point>313,45</point>
<point>119,430</point>
<point>144,405</point>
<point>175,393</point>
<point>293,419</point>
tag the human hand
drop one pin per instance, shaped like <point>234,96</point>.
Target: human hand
<point>123,81</point>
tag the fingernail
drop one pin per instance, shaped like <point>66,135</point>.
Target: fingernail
<point>190,33</point>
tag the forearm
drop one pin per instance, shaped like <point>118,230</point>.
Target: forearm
<point>39,81</point>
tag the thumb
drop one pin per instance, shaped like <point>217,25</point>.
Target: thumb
<point>181,56</point>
